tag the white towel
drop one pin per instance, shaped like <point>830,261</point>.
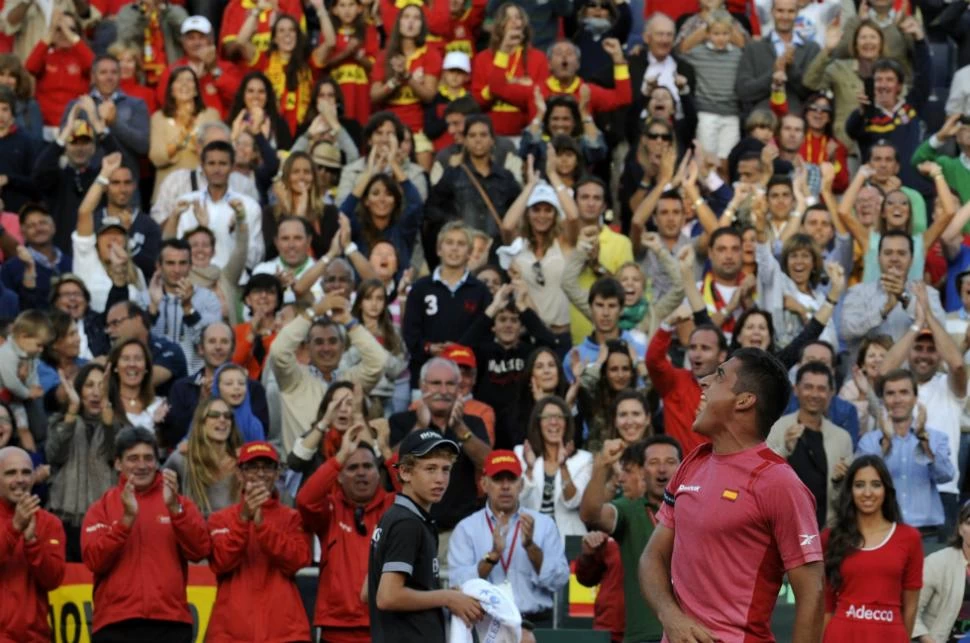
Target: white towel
<point>502,622</point>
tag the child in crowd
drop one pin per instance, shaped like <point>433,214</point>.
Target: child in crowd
<point>19,382</point>
<point>716,65</point>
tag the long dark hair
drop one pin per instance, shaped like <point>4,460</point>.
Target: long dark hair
<point>534,432</point>
<point>739,326</point>
<point>394,44</point>
<point>569,103</point>
<point>168,106</point>
<point>297,64</point>
<point>525,400</point>
<point>845,536</point>
<point>271,109</point>
<point>108,445</point>
<point>604,395</point>
<point>389,338</point>
<point>311,111</point>
<point>368,230</point>
<point>146,392</point>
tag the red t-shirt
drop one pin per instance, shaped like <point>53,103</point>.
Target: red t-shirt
<point>404,102</point>
<point>740,521</point>
<point>235,14</point>
<point>352,76</point>
<point>868,604</point>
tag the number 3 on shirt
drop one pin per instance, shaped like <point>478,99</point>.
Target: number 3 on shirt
<point>431,301</point>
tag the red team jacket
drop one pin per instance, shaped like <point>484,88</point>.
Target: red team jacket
<point>329,514</point>
<point>254,564</point>
<point>27,572</point>
<point>142,571</point>
<point>507,102</point>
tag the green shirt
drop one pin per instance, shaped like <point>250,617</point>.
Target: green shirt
<point>634,527</point>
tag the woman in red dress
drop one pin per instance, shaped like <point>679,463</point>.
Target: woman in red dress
<point>873,562</point>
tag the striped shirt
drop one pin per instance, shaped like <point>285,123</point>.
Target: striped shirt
<point>716,71</point>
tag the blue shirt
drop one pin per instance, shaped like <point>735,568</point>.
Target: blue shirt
<point>589,351</point>
<point>841,413</point>
<point>533,592</point>
<point>914,475</point>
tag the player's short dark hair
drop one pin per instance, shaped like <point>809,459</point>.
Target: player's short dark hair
<point>726,231</point>
<point>896,234</point>
<point>219,146</point>
<point>762,374</point>
<point>817,368</point>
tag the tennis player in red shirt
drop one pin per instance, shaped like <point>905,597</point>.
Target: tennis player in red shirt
<point>735,520</point>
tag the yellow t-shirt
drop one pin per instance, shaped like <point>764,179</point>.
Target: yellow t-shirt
<point>615,250</point>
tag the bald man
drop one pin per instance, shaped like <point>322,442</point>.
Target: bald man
<point>31,552</point>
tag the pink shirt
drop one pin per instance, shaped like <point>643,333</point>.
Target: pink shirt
<point>740,521</point>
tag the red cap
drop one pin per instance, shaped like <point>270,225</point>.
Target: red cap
<point>254,450</point>
<point>502,460</point>
<point>461,355</point>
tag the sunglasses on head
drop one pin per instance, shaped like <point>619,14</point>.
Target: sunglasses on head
<point>659,136</point>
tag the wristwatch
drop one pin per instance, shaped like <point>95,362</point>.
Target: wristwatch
<point>487,558</point>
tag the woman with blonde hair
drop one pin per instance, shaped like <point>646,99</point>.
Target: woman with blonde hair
<point>207,468</point>
<point>298,193</point>
<point>133,74</point>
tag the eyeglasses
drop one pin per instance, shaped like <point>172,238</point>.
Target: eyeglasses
<point>824,109</point>
<point>215,415</point>
<point>114,323</point>
<point>359,521</point>
<point>658,136</point>
<point>537,273</point>
<point>260,468</point>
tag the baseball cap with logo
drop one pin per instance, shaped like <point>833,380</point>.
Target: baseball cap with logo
<point>461,355</point>
<point>502,461</point>
<point>255,450</point>
<point>420,443</point>
<point>196,23</point>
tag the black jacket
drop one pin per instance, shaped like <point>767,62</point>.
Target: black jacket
<point>434,314</point>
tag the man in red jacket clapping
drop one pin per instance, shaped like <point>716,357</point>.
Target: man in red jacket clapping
<point>138,539</point>
<point>258,543</point>
<point>31,552</point>
<point>342,503</point>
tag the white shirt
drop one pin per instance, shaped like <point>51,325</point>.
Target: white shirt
<point>221,222</point>
<point>273,266</point>
<point>943,410</point>
<point>85,262</point>
<point>814,18</point>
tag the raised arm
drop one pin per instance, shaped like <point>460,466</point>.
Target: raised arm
<point>948,204</point>
<point>512,221</point>
<point>845,210</point>
<point>595,509</point>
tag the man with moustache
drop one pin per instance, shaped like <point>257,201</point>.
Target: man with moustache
<point>631,520</point>
<point>440,410</point>
<point>718,579</point>
<point>341,503</point>
<point>32,543</point>
<point>506,544</point>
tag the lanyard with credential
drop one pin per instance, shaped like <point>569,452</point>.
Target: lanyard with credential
<point>515,536</point>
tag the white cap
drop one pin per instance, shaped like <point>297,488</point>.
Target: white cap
<point>457,60</point>
<point>196,23</point>
<point>543,193</point>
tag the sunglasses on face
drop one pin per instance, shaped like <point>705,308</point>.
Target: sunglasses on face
<point>658,136</point>
<point>822,109</point>
<point>215,415</point>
